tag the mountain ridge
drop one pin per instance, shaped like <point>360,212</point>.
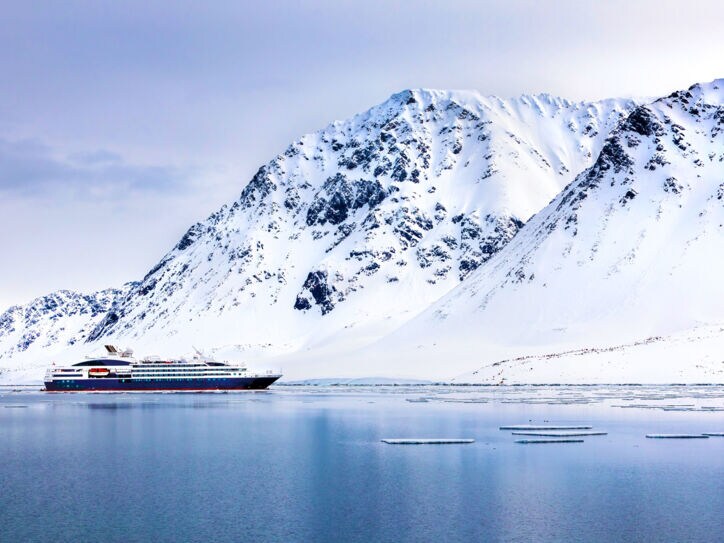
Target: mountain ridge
<point>629,250</point>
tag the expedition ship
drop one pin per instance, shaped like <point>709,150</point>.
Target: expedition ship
<point>119,371</point>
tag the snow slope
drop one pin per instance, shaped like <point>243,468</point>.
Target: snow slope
<point>620,268</point>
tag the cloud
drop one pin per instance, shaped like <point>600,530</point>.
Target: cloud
<point>99,156</point>
<point>32,168</point>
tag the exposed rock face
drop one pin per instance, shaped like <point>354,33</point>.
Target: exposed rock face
<point>339,197</point>
<point>316,290</point>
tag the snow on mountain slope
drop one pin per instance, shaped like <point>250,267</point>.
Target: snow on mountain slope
<point>631,252</point>
<point>50,324</point>
<point>358,227</point>
<point>689,356</point>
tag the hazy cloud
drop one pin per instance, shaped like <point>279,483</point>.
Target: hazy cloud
<point>32,168</point>
<point>99,156</point>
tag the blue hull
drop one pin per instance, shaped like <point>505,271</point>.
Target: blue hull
<point>109,384</point>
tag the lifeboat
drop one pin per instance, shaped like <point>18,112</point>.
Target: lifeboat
<point>98,372</point>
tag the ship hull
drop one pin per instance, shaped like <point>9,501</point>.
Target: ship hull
<point>139,385</point>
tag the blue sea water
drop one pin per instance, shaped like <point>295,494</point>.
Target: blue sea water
<point>307,464</point>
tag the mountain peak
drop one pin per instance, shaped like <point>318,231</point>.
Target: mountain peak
<point>711,93</point>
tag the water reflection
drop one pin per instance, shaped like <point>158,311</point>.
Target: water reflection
<point>298,465</point>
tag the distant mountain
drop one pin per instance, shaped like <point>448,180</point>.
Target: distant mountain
<point>627,259</point>
<point>52,323</point>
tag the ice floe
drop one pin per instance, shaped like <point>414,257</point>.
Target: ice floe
<point>560,434</point>
<point>533,427</point>
<point>427,441</point>
<point>532,441</point>
<point>677,436</point>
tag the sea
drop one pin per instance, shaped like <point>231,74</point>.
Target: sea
<point>307,463</point>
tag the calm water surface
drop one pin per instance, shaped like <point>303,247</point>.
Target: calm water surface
<point>306,464</point>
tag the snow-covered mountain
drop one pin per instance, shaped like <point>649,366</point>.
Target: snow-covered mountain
<point>623,268</point>
<point>356,228</point>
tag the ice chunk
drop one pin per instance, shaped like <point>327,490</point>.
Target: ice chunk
<point>534,427</point>
<point>560,434</point>
<point>677,436</point>
<point>424,441</point>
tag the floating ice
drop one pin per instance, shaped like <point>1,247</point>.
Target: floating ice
<point>533,427</point>
<point>677,436</point>
<point>426,441</point>
<point>560,434</point>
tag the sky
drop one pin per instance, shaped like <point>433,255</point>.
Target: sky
<point>123,123</point>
